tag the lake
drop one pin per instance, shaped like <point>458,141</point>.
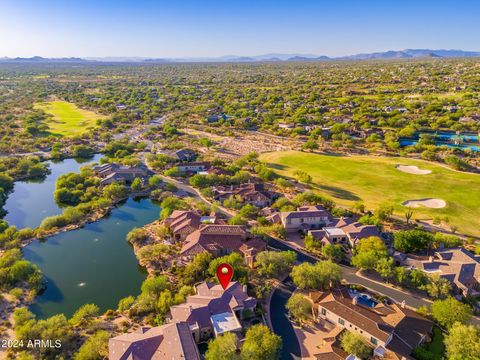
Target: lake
<point>94,264</point>
<point>31,201</point>
<point>449,139</point>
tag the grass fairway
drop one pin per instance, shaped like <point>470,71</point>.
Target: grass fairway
<point>375,180</point>
<point>68,119</point>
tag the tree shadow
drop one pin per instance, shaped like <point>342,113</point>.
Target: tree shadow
<point>337,192</point>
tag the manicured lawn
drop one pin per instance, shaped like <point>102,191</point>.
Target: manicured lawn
<point>68,119</point>
<point>375,180</point>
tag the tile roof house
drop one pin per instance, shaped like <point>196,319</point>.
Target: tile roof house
<point>183,155</point>
<point>305,218</point>
<point>119,173</point>
<point>170,341</point>
<point>250,250</point>
<point>344,231</point>
<point>210,312</point>
<point>183,223</point>
<point>459,266</point>
<point>218,240</point>
<point>248,193</point>
<point>391,329</point>
<point>193,167</point>
<point>213,310</point>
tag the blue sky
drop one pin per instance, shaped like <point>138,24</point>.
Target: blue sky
<point>56,28</point>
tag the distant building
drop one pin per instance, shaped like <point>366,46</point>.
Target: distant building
<point>193,167</point>
<point>183,155</point>
<point>119,173</point>
<point>248,193</point>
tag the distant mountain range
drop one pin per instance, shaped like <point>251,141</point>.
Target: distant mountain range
<point>391,54</point>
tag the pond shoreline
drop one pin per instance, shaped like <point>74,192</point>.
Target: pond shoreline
<point>89,219</point>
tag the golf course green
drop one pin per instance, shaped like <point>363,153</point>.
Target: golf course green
<point>67,119</point>
<point>377,180</point>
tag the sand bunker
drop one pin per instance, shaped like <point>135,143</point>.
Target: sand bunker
<point>428,202</point>
<point>412,169</point>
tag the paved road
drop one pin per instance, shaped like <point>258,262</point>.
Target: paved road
<point>281,323</point>
<point>194,193</point>
<point>349,274</point>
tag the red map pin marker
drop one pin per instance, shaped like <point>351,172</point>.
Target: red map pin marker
<point>224,274</point>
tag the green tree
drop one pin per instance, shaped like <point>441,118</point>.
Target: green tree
<point>385,267</point>
<point>384,212</point>
<point>333,252</point>
<point>368,252</point>
<point>438,287</point>
<point>447,312</point>
<point>84,314</point>
<point>355,344</point>
<point>126,303</point>
<point>240,270</point>
<point>311,244</point>
<point>321,275</point>
<point>261,344</point>
<point>272,264</point>
<point>222,347</point>
<point>136,184</point>
<point>412,240</point>
<point>95,347</point>
<point>463,342</point>
<point>300,307</point>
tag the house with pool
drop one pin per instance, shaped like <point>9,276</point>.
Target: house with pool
<point>392,330</point>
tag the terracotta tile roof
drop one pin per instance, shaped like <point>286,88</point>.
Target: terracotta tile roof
<point>382,321</point>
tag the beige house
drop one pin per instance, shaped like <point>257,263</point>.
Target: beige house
<point>305,218</point>
<point>393,331</point>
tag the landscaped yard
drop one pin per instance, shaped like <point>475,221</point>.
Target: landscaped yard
<point>435,348</point>
<point>376,180</point>
<point>67,119</point>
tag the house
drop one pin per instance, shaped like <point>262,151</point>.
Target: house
<point>213,118</point>
<point>354,230</point>
<point>112,172</point>
<point>250,250</point>
<point>248,193</point>
<point>392,330</point>
<point>212,311</point>
<point>183,223</point>
<point>305,218</point>
<point>169,341</point>
<point>460,267</point>
<point>286,126</point>
<point>218,240</point>
<point>193,167</point>
<point>183,155</point>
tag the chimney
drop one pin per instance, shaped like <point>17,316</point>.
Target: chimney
<point>354,300</point>
<point>245,289</point>
<point>403,304</point>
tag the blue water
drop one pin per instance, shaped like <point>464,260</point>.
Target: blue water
<point>410,142</point>
<point>94,264</point>
<point>31,201</point>
<point>366,301</point>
